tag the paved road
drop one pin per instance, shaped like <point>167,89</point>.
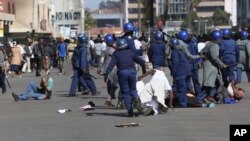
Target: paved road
<point>39,121</point>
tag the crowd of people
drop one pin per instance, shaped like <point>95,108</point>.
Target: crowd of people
<point>221,55</point>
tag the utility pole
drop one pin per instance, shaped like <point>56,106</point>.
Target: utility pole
<point>139,16</point>
<point>150,18</point>
<point>151,12</point>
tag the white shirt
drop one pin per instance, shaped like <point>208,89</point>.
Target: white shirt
<point>99,48</point>
<point>201,45</point>
<point>91,43</point>
<point>161,75</point>
<point>137,44</point>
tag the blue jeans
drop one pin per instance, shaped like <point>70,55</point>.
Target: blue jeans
<point>31,92</point>
<point>239,75</point>
<point>127,83</point>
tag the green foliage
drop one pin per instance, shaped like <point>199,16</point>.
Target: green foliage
<point>89,21</point>
<point>195,3</point>
<point>189,21</point>
<point>221,17</point>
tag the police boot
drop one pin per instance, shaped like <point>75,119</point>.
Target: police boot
<point>137,105</point>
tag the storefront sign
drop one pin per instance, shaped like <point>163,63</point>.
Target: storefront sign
<point>68,16</point>
<point>1,28</point>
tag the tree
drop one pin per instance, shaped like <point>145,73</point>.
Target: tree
<point>189,21</point>
<point>89,21</point>
<point>194,4</point>
<point>109,4</point>
<point>221,17</point>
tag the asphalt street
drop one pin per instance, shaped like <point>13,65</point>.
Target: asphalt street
<point>35,120</point>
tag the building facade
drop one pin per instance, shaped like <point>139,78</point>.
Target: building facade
<point>67,17</point>
<point>7,17</point>
<point>31,18</point>
<point>178,9</point>
<point>243,13</point>
<point>206,8</point>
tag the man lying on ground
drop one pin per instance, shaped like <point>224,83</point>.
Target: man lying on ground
<point>34,91</point>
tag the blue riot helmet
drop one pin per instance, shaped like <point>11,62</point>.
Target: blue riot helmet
<point>173,42</point>
<point>158,36</point>
<point>183,34</point>
<point>216,35</point>
<point>226,33</point>
<point>82,38</point>
<point>121,44</point>
<point>243,34</point>
<point>128,27</point>
<point>109,39</point>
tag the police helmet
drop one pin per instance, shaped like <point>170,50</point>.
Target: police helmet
<point>109,40</point>
<point>183,34</point>
<point>173,42</point>
<point>158,36</point>
<point>128,27</point>
<point>226,33</point>
<point>216,35</point>
<point>243,34</point>
<point>121,44</point>
<point>82,38</point>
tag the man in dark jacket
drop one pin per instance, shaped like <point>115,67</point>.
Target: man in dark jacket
<point>38,51</point>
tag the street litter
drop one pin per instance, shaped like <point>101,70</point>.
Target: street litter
<point>62,111</point>
<point>128,125</point>
<point>89,106</point>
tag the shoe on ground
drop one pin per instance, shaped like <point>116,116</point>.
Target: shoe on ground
<point>211,99</point>
<point>4,90</point>
<point>147,111</point>
<point>96,93</point>
<point>211,105</point>
<point>204,105</point>
<point>16,98</point>
<point>71,95</point>
<point>109,104</point>
<point>86,92</point>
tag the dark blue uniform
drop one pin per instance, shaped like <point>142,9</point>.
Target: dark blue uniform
<point>193,49</point>
<point>78,76</point>
<point>84,69</point>
<point>156,54</point>
<point>181,73</point>
<point>131,46</point>
<point>124,60</point>
<point>228,50</point>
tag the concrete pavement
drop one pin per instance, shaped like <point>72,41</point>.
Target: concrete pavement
<point>39,121</point>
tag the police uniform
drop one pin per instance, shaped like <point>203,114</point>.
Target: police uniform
<point>243,61</point>
<point>228,51</point>
<point>75,60</point>
<point>124,60</point>
<point>181,73</point>
<point>193,49</point>
<point>156,54</point>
